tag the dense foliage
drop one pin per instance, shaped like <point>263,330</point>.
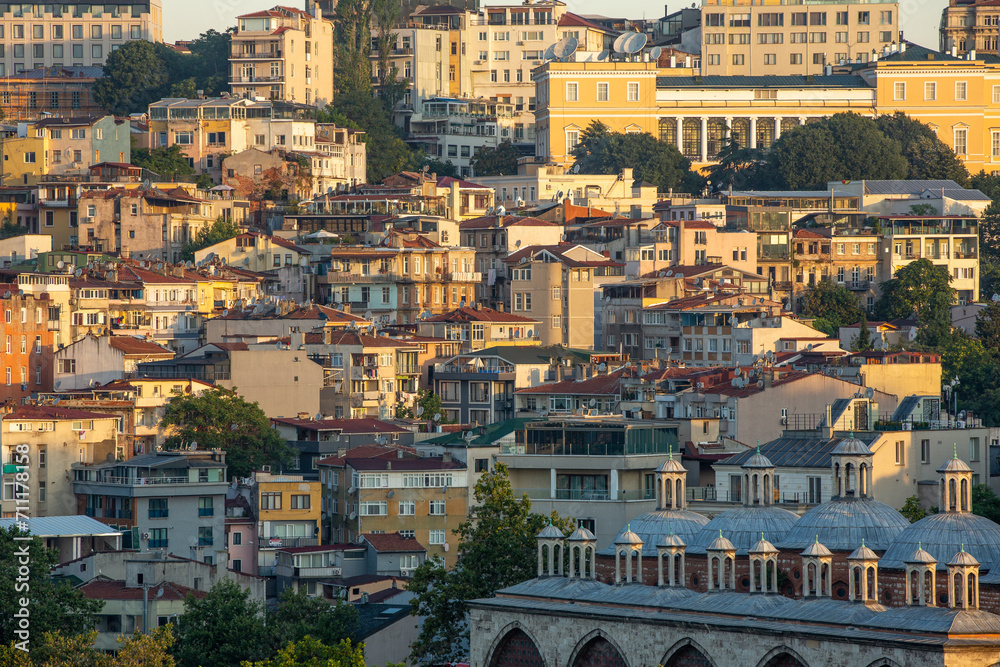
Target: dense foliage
<point>223,419</point>
<point>497,549</point>
<point>832,304</point>
<point>167,162</point>
<point>54,605</point>
<point>56,649</point>
<point>922,288</point>
<point>142,72</point>
<point>499,161</point>
<point>219,231</point>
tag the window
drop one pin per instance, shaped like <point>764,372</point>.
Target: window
<point>770,59</point>
<point>372,508</point>
<point>925,451</point>
<point>435,537</point>
<point>205,507</point>
<point>862,38</point>
<point>205,538</point>
<point>995,143</point>
<point>270,501</point>
<point>407,508</point>
<point>899,91</point>
<point>961,140</point>
<point>300,501</point>
<point>633,91</point>
<point>237,538</point>
<point>864,18</point>
<point>973,449</point>
<point>961,91</point>
<point>930,91</point>
<point>885,18</point>
<point>738,59</point>
<point>436,508</point>
<point>158,538</point>
<point>158,508</point>
<point>602,92</point>
<point>572,91</point>
<point>795,59</point>
<point>900,453</point>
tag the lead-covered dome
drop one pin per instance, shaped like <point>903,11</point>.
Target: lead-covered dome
<point>652,526</point>
<point>845,523</point>
<point>944,535</point>
<point>743,526</point>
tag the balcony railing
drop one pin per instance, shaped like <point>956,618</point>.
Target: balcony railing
<point>136,481</point>
<point>859,285</point>
<point>716,495</point>
<point>266,55</point>
<point>605,495</point>
<point>340,277</point>
<point>286,542</point>
<point>408,369</point>
<point>256,79</point>
<point>465,277</point>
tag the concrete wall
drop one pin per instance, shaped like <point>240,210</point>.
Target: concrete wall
<point>283,382</point>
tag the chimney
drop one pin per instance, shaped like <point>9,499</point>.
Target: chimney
<point>342,452</point>
<point>972,54</point>
<point>828,429</point>
<point>673,61</point>
<point>954,51</point>
<point>446,457</point>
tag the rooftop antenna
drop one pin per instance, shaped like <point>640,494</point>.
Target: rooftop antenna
<point>565,48</point>
<point>654,53</point>
<point>634,43</point>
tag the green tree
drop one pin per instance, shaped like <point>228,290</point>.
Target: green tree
<point>210,61</point>
<point>310,652</point>
<point>738,167</point>
<point>222,629</point>
<point>223,419</point>
<point>429,404</point>
<point>9,229</point>
<point>442,168</point>
<point>922,209</point>
<point>863,341</point>
<point>912,510</point>
<point>976,368</point>
<point>134,76</point>
<point>989,232</point>
<point>925,289</point>
<point>353,45</point>
<point>988,328</point>
<point>54,605</point>
<point>496,161</point>
<point>833,303</point>
<point>651,159</point>
<point>55,649</point>
<point>167,162</point>
<point>219,231</point>
<point>496,548</point>
<point>387,153</point>
<point>927,156</point>
<point>985,503</point>
<point>299,616</point>
<point>844,146</point>
<point>988,183</point>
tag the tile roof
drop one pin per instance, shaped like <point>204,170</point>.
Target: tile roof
<point>111,589</point>
<point>369,451</point>
<point>727,389</point>
<point>468,185</point>
<point>392,543</point>
<point>63,526</point>
<point>791,81</point>
<point>52,412</point>
<point>140,346</point>
<point>602,385</point>
<point>575,20</point>
<point>468,314</point>
<point>356,338</point>
<point>491,221</point>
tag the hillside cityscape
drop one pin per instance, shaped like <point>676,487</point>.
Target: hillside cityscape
<point>383,333</point>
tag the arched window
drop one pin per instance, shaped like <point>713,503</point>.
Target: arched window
<point>784,660</point>
<point>789,124</point>
<point>717,131</point>
<point>765,132</point>
<point>741,132</point>
<point>599,652</point>
<point>517,650</point>
<point>692,138</point>
<point>688,656</point>
<point>668,130</point>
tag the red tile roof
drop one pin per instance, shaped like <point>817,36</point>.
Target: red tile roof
<point>601,385</point>
<point>467,314</point>
<point>491,221</point>
<point>139,346</point>
<point>369,451</point>
<point>392,543</point>
<point>727,389</point>
<point>808,234</point>
<point>348,337</point>
<point>111,589</point>
<point>571,19</point>
<point>52,412</point>
<point>468,185</point>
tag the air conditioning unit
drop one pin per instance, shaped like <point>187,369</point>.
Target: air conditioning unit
<point>144,536</point>
<point>784,421</point>
<point>352,516</point>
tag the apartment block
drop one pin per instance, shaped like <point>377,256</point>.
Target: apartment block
<point>287,509</point>
<point>33,93</point>
<point>26,343</point>
<point>970,25</point>
<point>34,431</point>
<point>172,500</point>
<point>283,53</point>
<point>454,130</point>
<point>73,34</point>
<point>372,491</point>
<point>773,38</point>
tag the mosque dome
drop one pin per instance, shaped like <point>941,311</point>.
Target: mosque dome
<point>743,526</point>
<point>942,536</point>
<point>851,446</point>
<point>652,526</point>
<point>845,523</point>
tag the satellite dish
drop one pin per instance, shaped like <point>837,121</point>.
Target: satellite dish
<point>56,402</point>
<point>559,195</point>
<point>78,273</point>
<point>550,53</point>
<point>603,55</point>
<point>669,273</point>
<point>565,47</point>
<point>576,168</point>
<point>634,43</point>
<point>61,264</point>
<point>593,402</point>
<point>501,211</point>
<point>996,297</point>
<point>619,43</point>
<point>420,410</point>
<point>670,351</point>
<point>869,393</point>
<point>602,367</point>
<point>654,53</point>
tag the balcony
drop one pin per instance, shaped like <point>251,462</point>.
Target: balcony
<point>137,481</point>
<point>286,542</point>
<point>256,79</point>
<point>342,278</point>
<point>317,572</point>
<point>99,513</point>
<point>605,495</point>
<point>858,285</point>
<point>965,254</point>
<point>408,369</point>
<point>266,55</point>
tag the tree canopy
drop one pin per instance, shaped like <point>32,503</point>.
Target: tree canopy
<point>923,288</point>
<point>833,303</point>
<point>927,156</point>
<point>601,151</point>
<point>223,628</point>
<point>498,161</point>
<point>299,617</point>
<point>219,231</point>
<point>863,341</point>
<point>221,418</point>
<point>141,72</point>
<point>497,549</point>
<point>55,649</point>
<point>55,606</point>
<point>167,162</point>
<point>310,652</point>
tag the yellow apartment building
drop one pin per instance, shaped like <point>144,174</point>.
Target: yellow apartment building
<point>23,158</point>
<point>287,509</point>
<point>959,98</point>
<point>283,53</point>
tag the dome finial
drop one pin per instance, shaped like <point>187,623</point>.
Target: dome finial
<point>962,548</point>
<point>955,455</point>
<point>920,546</point>
<point>862,541</point>
<point>720,532</point>
<point>758,445</point>
<point>817,539</point>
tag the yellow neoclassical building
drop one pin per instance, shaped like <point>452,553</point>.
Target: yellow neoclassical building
<point>958,97</point>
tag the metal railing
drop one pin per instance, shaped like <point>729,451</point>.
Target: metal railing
<point>256,79</point>
<point>137,481</point>
<point>605,495</point>
<point>267,55</point>
<point>716,495</point>
<point>408,369</point>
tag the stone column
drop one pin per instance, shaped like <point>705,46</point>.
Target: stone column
<point>777,128</point>
<point>753,132</point>
<point>704,139</point>
<point>680,135</point>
